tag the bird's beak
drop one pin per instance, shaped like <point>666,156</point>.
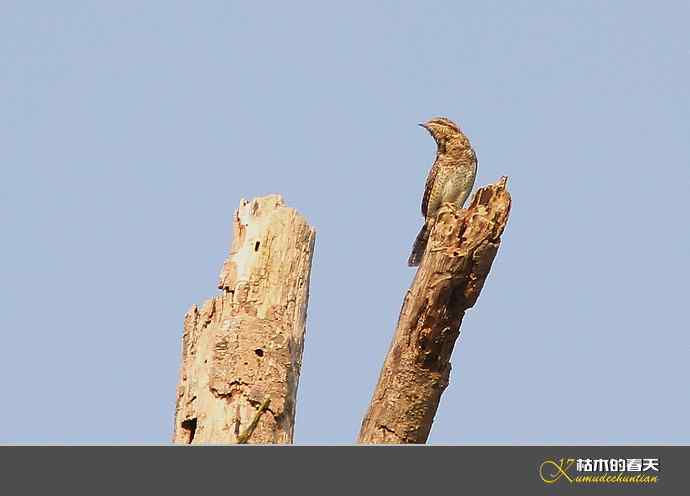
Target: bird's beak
<point>423,125</point>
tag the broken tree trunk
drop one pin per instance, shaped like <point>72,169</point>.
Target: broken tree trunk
<point>462,245</point>
<point>242,350</point>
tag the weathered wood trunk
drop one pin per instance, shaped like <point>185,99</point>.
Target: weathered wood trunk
<point>461,249</point>
<point>242,350</point>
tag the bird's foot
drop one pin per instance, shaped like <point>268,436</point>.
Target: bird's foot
<point>447,207</point>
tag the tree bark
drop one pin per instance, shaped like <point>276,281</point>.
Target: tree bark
<point>462,246</point>
<point>242,350</point>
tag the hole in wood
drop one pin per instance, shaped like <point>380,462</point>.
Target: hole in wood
<point>259,352</point>
<point>256,245</point>
<point>189,426</point>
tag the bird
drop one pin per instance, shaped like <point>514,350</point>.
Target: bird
<point>450,179</point>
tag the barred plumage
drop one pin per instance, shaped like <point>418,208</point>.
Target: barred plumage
<point>450,179</point>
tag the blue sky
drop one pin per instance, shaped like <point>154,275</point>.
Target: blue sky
<point>130,131</point>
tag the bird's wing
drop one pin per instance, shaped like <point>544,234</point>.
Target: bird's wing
<point>429,186</point>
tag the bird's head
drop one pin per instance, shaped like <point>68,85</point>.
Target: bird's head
<point>443,130</point>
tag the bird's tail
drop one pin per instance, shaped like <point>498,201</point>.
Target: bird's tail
<point>419,247</point>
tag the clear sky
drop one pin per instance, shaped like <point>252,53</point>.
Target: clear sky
<point>129,132</point>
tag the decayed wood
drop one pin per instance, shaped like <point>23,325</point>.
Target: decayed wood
<point>242,350</point>
<point>461,249</point>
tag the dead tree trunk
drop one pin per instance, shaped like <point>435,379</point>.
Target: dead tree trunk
<point>242,350</point>
<point>461,249</point>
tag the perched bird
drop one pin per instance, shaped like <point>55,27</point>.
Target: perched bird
<point>450,179</point>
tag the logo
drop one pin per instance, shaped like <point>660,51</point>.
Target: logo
<point>600,471</point>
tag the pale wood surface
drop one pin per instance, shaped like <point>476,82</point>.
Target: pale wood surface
<point>243,348</point>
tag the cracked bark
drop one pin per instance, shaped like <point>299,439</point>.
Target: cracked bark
<point>461,249</point>
<point>242,349</point>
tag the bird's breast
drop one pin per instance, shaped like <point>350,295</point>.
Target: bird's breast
<point>452,185</point>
